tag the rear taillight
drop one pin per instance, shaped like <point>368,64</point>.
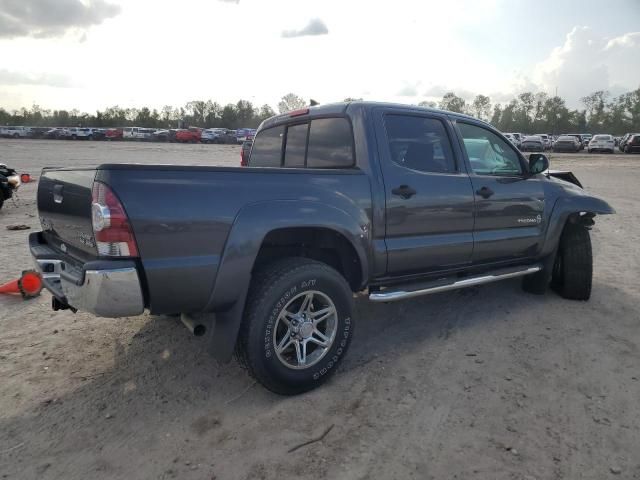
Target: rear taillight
<point>111,228</point>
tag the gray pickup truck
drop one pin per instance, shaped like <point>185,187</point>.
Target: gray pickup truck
<point>392,200</point>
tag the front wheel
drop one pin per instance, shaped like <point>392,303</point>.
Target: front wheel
<point>297,325</point>
<point>573,267</point>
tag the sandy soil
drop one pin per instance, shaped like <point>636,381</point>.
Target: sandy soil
<point>487,383</point>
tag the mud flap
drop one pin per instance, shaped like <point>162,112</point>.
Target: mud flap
<point>224,331</point>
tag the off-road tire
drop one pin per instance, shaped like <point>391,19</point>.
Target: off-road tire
<point>271,288</point>
<point>537,283</point>
<point>573,267</point>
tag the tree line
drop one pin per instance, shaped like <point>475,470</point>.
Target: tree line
<point>540,113</point>
<point>527,112</point>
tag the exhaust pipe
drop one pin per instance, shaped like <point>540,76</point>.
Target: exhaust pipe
<point>196,327</point>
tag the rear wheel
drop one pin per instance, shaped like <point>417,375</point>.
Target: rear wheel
<point>573,267</point>
<point>297,325</point>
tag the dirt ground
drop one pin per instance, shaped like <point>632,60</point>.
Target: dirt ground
<point>487,383</point>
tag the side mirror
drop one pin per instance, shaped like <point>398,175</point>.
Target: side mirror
<point>538,163</point>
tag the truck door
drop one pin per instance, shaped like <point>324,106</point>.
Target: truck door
<point>429,198</point>
<point>509,202</point>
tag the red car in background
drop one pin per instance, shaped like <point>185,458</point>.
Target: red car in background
<point>192,135</point>
<point>113,134</point>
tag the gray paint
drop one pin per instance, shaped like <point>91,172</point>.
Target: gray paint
<point>199,229</point>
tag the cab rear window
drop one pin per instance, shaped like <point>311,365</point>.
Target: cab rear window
<point>321,143</point>
<point>267,148</point>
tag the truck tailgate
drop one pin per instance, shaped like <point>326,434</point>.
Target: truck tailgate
<point>64,205</point>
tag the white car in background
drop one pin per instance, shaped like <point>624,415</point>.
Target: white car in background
<point>511,138</point>
<point>15,132</point>
<point>77,133</point>
<point>517,137</point>
<point>213,135</point>
<point>601,143</point>
<point>134,133</point>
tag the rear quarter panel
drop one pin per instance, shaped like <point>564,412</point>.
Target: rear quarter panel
<point>182,218</point>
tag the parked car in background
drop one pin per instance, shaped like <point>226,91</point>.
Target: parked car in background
<point>16,132</point>
<point>586,138</point>
<point>245,151</point>
<point>99,133</point>
<point>161,135</point>
<point>114,134</point>
<point>517,138</point>
<point>224,136</point>
<point>632,145</point>
<point>567,143</point>
<point>601,143</point>
<point>171,136</point>
<point>212,135</point>
<point>546,140</point>
<point>54,133</point>
<point>146,134</point>
<point>132,133</point>
<point>623,141</point>
<point>511,138</point>
<point>532,143</point>
<point>38,132</point>
<point>77,133</point>
<point>190,135</point>
<point>578,136</point>
<point>244,134</point>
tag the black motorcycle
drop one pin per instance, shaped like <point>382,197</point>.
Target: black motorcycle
<point>9,183</point>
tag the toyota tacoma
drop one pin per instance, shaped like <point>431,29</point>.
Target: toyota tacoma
<point>392,201</point>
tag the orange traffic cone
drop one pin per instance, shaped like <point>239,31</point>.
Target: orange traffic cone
<point>28,285</point>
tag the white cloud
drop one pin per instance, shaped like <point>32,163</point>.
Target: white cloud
<point>314,27</point>
<point>8,77</point>
<point>587,62</point>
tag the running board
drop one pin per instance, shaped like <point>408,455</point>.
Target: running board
<point>393,295</point>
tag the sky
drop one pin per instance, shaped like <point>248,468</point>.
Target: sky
<point>91,54</point>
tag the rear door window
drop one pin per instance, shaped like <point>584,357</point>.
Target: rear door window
<point>330,144</point>
<point>267,148</point>
<point>419,143</point>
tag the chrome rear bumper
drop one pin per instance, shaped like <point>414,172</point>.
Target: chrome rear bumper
<point>105,292</point>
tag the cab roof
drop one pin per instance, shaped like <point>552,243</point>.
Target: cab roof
<point>341,108</point>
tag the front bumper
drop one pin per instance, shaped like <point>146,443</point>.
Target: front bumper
<point>105,288</point>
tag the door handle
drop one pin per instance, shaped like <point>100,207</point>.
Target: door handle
<point>485,192</point>
<point>404,191</point>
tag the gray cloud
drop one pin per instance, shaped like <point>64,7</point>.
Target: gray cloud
<point>8,77</point>
<point>314,27</point>
<point>51,18</point>
<point>436,91</point>
<point>408,91</point>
